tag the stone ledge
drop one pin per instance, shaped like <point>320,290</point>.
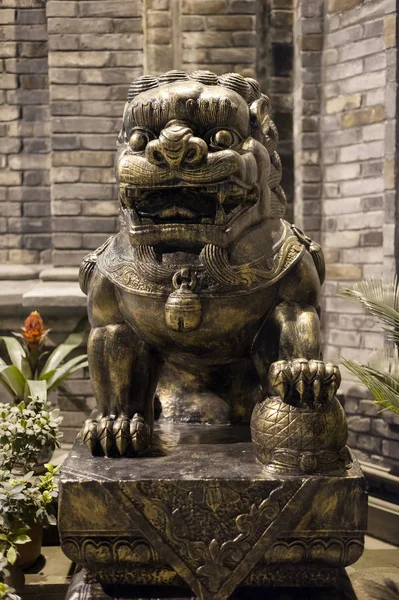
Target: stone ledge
<point>14,272</point>
<point>58,294</point>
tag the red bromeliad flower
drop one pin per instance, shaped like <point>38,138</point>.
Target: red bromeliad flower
<point>33,331</point>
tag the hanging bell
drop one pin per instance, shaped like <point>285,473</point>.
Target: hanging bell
<point>183,310</point>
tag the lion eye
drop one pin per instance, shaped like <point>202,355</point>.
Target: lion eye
<point>138,140</point>
<point>223,139</point>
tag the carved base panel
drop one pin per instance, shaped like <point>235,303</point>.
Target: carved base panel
<point>201,515</point>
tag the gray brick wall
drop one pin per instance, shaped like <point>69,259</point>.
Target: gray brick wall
<point>345,121</point>
<point>95,51</point>
<point>66,67</point>
<point>25,225</point>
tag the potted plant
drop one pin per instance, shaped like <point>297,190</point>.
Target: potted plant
<point>28,430</point>
<point>30,362</point>
<point>26,506</point>
<point>381,374</point>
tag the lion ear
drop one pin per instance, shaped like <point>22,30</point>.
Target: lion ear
<point>260,113</point>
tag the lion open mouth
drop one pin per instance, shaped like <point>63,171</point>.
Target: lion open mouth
<point>218,204</point>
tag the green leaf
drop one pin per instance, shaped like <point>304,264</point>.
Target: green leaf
<point>17,354</point>
<point>74,340</point>
<point>63,372</point>
<point>13,379</point>
<point>11,555</point>
<point>36,388</point>
<point>22,539</point>
<point>383,387</point>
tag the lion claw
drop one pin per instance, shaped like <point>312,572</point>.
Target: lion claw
<point>304,379</point>
<point>121,436</point>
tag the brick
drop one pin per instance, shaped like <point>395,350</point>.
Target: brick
<point>32,82</point>
<point>8,49</point>
<point>203,7</point>
<point>9,113</point>
<point>374,132</point>
<point>84,125</point>
<point>390,31</point>
<point>358,423</point>
<point>112,76</point>
<point>82,191</point>
<point>7,16</point>
<point>36,178</point>
<point>375,62</point>
<point>10,145</point>
<point>25,97</point>
<point>31,17</point>
<point>79,59</point>
<point>367,254</point>
<point>101,209</point>
<point>372,168</point>
<point>64,42</point>
<point>230,22</point>
<point>37,209</point>
<point>362,186</point>
<point>342,103</point>
<point>37,242</point>
<point>35,113</point>
<point>28,257</point>
<point>189,23</point>
<point>362,83</point>
<point>82,158</point>
<point>33,49</point>
<point>341,5</point>
<point>212,39</point>
<point>61,9</point>
<point>363,116</point>
<point>344,36</point>
<point>72,240</point>
<point>346,239</point>
<point>344,70</point>
<point>29,161</point>
<point>76,224</point>
<point>64,76</point>
<point>66,208</point>
<point>66,174</point>
<point>25,65</point>
<point>362,152</point>
<point>28,225</point>
<point>10,178</point>
<point>342,172</point>
<point>111,8</point>
<point>343,138</point>
<point>111,41</point>
<point>311,43</point>
<point>343,272</point>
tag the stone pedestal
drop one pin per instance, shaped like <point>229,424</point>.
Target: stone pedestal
<point>200,515</point>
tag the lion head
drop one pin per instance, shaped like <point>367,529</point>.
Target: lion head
<point>197,161</point>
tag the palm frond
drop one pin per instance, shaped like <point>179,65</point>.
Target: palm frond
<point>384,388</point>
<point>381,299</point>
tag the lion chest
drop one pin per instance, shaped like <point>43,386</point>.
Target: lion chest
<point>222,328</point>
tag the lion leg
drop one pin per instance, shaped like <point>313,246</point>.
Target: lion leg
<point>124,374</point>
<point>297,369</point>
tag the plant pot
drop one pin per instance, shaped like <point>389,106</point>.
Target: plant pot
<point>29,553</point>
<point>43,458</point>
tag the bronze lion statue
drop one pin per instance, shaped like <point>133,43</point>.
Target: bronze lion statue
<point>207,299</point>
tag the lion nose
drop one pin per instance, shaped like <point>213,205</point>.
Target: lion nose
<point>176,146</point>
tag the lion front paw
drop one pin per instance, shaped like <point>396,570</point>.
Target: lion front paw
<point>306,379</point>
<point>121,436</point>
